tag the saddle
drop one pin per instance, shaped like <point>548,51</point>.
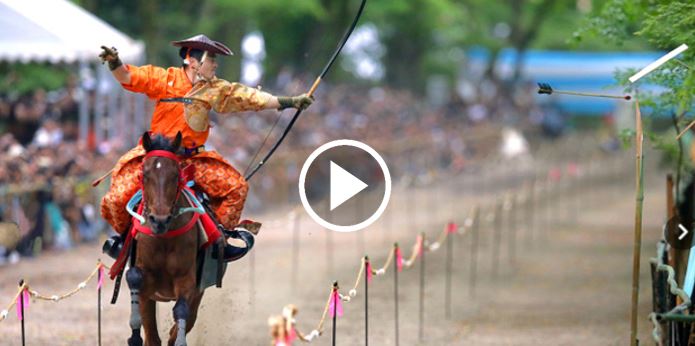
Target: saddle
<point>213,252</point>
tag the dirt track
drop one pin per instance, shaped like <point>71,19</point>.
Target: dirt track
<point>572,287</point>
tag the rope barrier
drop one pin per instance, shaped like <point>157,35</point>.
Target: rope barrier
<point>387,264</point>
<point>55,298</point>
<point>417,249</point>
<point>353,292</point>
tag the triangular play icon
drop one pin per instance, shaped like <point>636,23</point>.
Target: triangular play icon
<point>343,185</point>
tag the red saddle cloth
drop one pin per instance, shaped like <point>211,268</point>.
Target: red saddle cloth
<point>210,232</point>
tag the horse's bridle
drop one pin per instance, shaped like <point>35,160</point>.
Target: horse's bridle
<point>185,175</point>
<point>169,155</point>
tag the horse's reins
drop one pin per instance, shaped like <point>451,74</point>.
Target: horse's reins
<point>184,175</point>
<point>169,155</point>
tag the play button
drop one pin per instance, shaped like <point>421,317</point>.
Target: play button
<point>344,185</point>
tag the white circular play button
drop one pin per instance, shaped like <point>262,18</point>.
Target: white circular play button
<point>340,181</point>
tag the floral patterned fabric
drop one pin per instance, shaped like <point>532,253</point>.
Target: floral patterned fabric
<point>225,186</point>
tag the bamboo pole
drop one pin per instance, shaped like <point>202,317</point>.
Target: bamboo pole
<point>639,199</point>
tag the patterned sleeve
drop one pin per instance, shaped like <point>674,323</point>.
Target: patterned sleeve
<point>236,97</point>
<point>149,80</point>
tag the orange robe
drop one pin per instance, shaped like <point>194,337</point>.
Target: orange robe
<point>225,186</point>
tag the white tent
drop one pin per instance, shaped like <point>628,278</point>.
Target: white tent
<point>58,30</point>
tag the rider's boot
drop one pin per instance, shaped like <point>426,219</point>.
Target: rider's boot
<point>113,246</point>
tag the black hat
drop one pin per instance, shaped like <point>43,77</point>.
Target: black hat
<point>204,43</point>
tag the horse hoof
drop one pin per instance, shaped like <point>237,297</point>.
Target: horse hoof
<point>135,340</point>
<point>180,343</point>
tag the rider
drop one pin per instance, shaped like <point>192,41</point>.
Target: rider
<point>184,96</point>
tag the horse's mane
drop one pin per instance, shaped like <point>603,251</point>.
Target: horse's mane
<point>160,142</point>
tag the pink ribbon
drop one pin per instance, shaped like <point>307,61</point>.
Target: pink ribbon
<point>368,268</point>
<point>336,305</point>
<point>24,296</point>
<point>101,276</point>
<point>451,227</point>
<point>399,259</point>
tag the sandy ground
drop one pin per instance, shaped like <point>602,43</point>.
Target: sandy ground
<point>570,283</point>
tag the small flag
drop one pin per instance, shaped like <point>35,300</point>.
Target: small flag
<point>336,304</point>
<point>368,268</point>
<point>24,296</point>
<point>399,259</point>
<point>452,227</point>
<point>101,276</point>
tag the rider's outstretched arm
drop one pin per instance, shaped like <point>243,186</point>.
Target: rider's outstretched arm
<point>226,97</point>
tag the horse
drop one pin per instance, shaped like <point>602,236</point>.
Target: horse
<point>165,263</point>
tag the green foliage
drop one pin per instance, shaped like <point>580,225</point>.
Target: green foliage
<point>626,137</point>
<point>18,79</point>
<point>662,25</point>
<point>421,37</point>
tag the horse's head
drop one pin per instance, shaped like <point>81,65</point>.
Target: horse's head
<point>161,180</point>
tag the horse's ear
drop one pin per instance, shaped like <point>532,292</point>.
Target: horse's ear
<point>177,141</point>
<point>146,141</point>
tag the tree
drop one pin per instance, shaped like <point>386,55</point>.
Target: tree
<point>662,25</point>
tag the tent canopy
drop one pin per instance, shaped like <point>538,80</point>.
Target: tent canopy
<point>58,30</point>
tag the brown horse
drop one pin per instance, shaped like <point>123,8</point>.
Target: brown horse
<point>165,267</point>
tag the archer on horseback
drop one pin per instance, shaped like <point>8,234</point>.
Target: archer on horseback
<point>184,96</point>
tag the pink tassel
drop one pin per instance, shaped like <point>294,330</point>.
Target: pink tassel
<point>368,268</point>
<point>452,227</point>
<point>24,296</point>
<point>399,259</point>
<point>336,305</point>
<point>101,277</point>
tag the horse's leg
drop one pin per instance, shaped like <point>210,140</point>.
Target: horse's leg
<point>177,335</point>
<point>193,315</point>
<point>190,322</point>
<point>134,278</point>
<point>149,321</point>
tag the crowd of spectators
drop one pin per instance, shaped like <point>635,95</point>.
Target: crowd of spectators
<point>45,172</point>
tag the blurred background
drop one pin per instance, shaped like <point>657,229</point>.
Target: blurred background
<point>436,86</point>
<point>444,90</point>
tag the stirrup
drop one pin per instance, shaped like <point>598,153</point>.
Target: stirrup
<point>231,252</point>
